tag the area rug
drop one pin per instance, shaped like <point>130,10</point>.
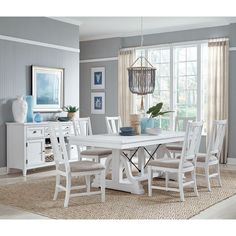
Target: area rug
<point>36,196</point>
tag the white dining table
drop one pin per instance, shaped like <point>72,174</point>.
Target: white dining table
<point>120,163</point>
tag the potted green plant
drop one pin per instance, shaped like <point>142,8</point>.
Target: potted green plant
<point>153,112</point>
<point>71,111</point>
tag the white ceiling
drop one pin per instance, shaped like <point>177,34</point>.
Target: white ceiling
<point>107,27</point>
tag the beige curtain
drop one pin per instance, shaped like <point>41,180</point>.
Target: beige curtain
<point>218,92</point>
<point>125,97</point>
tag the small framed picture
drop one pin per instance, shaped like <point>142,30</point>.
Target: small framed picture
<point>98,78</point>
<point>98,103</point>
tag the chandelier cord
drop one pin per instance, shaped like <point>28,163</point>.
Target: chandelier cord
<point>141,31</point>
<point>141,41</point>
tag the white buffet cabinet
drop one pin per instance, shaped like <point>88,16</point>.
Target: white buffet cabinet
<point>28,145</point>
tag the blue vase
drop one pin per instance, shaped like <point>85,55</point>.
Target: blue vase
<point>29,100</point>
<point>146,123</point>
<point>38,118</point>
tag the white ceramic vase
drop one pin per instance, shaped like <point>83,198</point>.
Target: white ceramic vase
<point>19,109</point>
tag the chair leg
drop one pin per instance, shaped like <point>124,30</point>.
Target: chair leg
<point>194,182</point>
<point>167,180</point>
<point>174,154</point>
<point>150,176</point>
<point>88,183</point>
<point>102,184</point>
<point>207,178</point>
<point>107,165</point>
<point>68,188</point>
<point>219,179</point>
<point>181,187</point>
<point>56,187</point>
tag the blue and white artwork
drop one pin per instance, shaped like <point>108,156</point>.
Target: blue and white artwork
<point>98,103</point>
<point>47,88</point>
<point>98,78</point>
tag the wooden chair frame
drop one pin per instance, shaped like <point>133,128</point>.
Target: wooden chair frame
<point>63,169</point>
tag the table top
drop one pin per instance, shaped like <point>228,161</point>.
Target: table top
<point>122,142</point>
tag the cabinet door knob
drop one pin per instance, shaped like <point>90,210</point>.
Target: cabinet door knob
<point>34,132</point>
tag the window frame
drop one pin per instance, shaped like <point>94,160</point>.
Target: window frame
<point>173,88</point>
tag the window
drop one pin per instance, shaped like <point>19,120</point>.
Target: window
<point>181,78</point>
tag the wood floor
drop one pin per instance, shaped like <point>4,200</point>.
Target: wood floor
<point>223,210</point>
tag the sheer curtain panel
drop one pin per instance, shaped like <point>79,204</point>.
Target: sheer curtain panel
<point>218,91</point>
<point>125,97</point>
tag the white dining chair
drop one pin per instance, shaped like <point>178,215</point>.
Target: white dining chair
<point>67,169</point>
<point>180,125</point>
<point>82,126</point>
<point>185,164</point>
<point>211,157</point>
<point>113,124</point>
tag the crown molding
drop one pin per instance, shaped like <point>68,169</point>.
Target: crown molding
<point>145,32</point>
<point>67,20</point>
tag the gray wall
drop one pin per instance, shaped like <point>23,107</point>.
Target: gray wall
<point>99,49</point>
<point>111,93</point>
<point>102,48</point>
<point>232,94</point>
<point>177,36</point>
<point>109,47</point>
<point>41,29</point>
<point>16,59</point>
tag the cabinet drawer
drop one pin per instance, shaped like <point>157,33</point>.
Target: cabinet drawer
<point>66,129</point>
<point>35,132</point>
<point>46,132</point>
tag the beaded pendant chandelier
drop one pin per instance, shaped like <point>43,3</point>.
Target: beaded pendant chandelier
<point>142,77</point>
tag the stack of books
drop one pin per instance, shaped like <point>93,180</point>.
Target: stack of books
<point>127,131</point>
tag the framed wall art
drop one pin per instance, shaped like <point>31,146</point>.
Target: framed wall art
<point>47,89</point>
<point>98,78</point>
<point>98,103</point>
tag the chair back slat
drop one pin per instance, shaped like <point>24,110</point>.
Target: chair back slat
<point>58,145</point>
<point>113,124</point>
<point>181,122</point>
<point>216,138</point>
<point>191,142</point>
<point>82,126</point>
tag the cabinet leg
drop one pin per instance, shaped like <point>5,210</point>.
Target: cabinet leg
<point>24,172</point>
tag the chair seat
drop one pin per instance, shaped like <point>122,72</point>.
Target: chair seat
<point>201,157</point>
<point>174,146</point>
<point>82,166</point>
<point>169,163</point>
<point>96,152</point>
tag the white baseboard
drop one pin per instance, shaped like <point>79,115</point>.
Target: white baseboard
<point>231,161</point>
<point>3,170</point>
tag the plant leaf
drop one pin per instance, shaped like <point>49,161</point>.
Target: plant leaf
<point>164,112</point>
